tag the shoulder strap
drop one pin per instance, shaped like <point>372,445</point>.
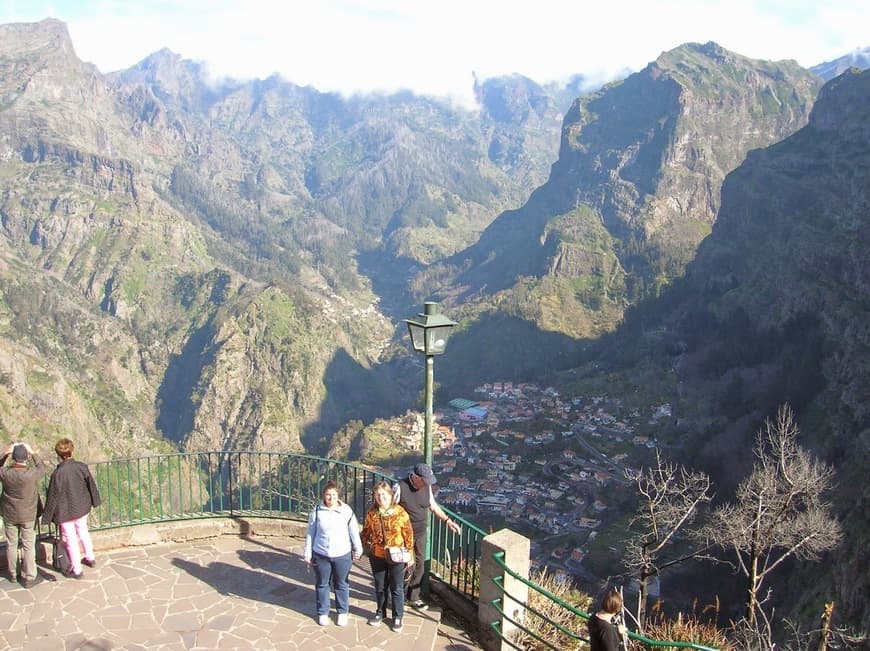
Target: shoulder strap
<point>383,532</point>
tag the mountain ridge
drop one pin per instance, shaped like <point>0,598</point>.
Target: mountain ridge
<point>634,191</point>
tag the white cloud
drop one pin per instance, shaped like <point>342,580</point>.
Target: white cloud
<point>433,47</point>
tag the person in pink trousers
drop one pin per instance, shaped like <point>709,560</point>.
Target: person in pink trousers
<point>72,492</point>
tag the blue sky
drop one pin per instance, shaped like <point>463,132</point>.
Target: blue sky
<point>435,47</point>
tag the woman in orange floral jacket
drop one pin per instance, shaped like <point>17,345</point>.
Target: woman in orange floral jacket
<point>387,525</point>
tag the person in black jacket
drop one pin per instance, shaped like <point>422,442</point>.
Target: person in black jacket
<point>72,492</point>
<point>414,494</point>
<point>605,633</point>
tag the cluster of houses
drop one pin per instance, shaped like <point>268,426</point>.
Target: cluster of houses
<point>554,478</point>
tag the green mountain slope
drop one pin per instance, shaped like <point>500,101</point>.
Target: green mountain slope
<point>774,309</point>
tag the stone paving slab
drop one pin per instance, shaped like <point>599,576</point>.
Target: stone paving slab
<point>222,593</point>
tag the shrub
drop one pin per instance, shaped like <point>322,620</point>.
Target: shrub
<point>553,616</point>
<point>695,627</point>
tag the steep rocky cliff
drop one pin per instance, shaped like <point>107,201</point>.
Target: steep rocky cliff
<point>522,120</point>
<point>635,189</point>
<point>776,308</point>
<point>124,320</point>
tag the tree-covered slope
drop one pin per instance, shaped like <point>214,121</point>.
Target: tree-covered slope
<point>129,318</point>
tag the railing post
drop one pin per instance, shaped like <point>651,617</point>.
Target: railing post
<point>496,585</point>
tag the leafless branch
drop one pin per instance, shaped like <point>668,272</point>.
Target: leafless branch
<point>778,512</point>
<point>670,498</point>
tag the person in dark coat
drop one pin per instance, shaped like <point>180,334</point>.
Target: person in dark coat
<point>606,630</point>
<point>72,492</point>
<point>18,506</point>
<point>414,494</point>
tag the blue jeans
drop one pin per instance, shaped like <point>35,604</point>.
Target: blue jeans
<point>332,572</point>
<point>390,576</point>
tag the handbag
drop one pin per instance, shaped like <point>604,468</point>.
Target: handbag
<point>395,555</point>
<point>398,555</point>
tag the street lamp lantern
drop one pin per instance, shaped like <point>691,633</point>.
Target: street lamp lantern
<point>429,333</point>
<point>430,330</point>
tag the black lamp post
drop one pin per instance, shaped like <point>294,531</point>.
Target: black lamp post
<point>429,332</point>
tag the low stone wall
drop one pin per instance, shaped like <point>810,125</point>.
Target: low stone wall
<point>188,530</point>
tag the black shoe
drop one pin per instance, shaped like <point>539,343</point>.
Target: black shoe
<point>419,604</point>
<point>92,563</point>
<point>29,583</point>
<point>376,619</point>
<point>70,575</point>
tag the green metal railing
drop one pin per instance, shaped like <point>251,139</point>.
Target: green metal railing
<point>456,557</point>
<point>191,485</point>
<point>265,484</point>
<point>569,638</point>
<point>185,486</point>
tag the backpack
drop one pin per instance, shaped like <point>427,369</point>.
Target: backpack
<point>59,558</point>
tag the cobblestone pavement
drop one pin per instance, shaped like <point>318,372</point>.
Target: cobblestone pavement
<point>220,593</point>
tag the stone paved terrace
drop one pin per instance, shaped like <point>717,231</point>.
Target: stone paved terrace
<point>224,592</point>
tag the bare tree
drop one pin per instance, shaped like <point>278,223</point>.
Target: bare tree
<point>779,510</point>
<point>670,497</point>
<point>758,635</point>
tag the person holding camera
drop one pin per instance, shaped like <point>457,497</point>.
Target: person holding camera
<point>18,506</point>
<point>605,627</point>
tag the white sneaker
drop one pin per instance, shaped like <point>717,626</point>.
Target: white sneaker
<point>397,624</point>
<point>342,619</point>
<point>323,620</point>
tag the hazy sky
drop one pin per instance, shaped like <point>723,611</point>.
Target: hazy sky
<point>434,47</point>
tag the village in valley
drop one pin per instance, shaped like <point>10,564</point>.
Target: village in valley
<point>553,469</point>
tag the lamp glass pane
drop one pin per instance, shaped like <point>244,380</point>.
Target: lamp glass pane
<point>436,339</point>
<point>418,334</point>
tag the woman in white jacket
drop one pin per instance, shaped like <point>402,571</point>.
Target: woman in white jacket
<point>332,543</point>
